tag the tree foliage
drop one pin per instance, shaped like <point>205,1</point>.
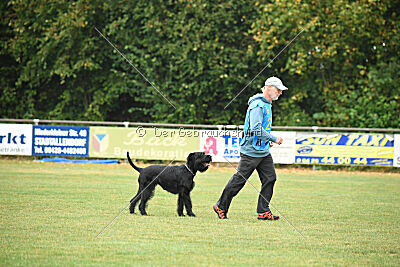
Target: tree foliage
<point>343,65</point>
<point>342,70</point>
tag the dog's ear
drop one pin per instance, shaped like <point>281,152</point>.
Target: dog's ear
<point>190,157</point>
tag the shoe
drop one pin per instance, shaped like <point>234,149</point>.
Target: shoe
<point>267,216</point>
<point>221,213</point>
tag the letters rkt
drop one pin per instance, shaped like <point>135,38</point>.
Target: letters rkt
<point>12,139</point>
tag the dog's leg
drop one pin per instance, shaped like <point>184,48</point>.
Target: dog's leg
<point>180,205</point>
<point>135,200</point>
<point>146,195</point>
<point>188,202</point>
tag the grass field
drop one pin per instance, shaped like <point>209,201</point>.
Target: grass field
<point>51,213</point>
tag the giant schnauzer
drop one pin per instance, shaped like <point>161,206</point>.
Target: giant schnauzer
<point>174,179</point>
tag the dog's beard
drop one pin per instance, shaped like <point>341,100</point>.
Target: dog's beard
<point>199,161</point>
<point>203,166</point>
<point>203,169</point>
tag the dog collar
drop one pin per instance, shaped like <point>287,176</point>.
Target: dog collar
<point>189,169</point>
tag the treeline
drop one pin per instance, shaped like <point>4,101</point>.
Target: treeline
<point>342,69</point>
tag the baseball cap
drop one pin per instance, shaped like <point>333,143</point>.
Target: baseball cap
<point>275,82</point>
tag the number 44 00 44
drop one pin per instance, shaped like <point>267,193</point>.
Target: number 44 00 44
<point>344,160</point>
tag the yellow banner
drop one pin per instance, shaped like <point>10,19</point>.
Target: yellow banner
<point>344,149</point>
<point>143,143</point>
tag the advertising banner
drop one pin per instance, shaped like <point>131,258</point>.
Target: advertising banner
<point>396,156</point>
<point>224,146</point>
<point>345,149</point>
<point>143,143</point>
<point>60,141</point>
<point>284,153</point>
<point>221,144</point>
<point>16,139</point>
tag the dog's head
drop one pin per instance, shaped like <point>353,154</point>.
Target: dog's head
<point>199,161</point>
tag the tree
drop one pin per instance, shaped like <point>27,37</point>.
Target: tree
<point>334,67</point>
<point>197,53</point>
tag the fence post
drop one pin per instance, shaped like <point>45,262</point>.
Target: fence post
<point>36,122</point>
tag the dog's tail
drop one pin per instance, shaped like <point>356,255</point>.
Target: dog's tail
<point>133,165</point>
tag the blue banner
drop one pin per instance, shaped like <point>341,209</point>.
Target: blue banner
<point>60,141</point>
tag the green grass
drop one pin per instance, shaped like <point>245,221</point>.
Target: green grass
<point>51,213</point>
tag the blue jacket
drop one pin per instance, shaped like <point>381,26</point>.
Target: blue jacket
<point>257,127</point>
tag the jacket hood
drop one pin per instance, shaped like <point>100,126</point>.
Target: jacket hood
<point>259,96</point>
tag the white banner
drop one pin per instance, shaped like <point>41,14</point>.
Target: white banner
<point>16,139</point>
<point>284,153</point>
<point>396,155</point>
<point>221,144</point>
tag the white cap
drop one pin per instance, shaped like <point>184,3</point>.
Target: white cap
<point>275,82</point>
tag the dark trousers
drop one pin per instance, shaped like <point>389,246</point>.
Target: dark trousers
<point>266,172</point>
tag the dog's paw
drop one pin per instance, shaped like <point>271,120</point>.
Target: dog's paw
<point>192,214</point>
<point>182,215</point>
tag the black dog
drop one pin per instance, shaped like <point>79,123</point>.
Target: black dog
<point>174,179</point>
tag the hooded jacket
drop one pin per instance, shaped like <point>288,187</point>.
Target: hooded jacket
<point>257,127</point>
